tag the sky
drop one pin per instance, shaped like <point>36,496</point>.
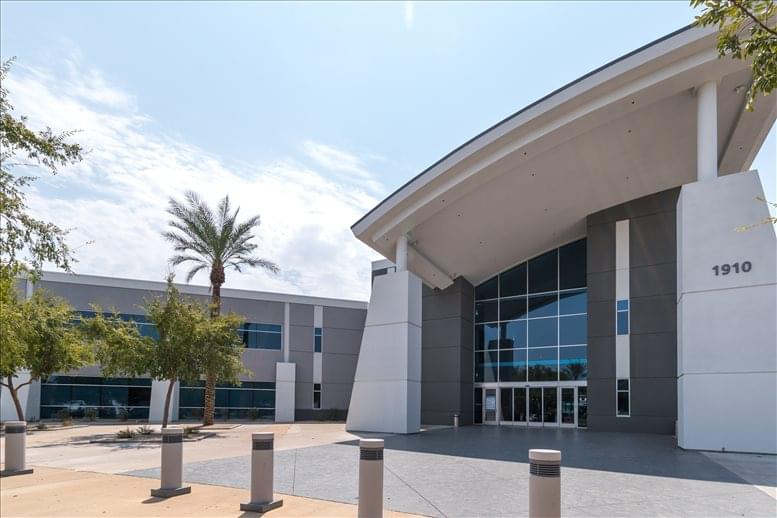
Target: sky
<point>308,114</point>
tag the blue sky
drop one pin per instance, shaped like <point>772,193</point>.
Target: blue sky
<point>275,103</point>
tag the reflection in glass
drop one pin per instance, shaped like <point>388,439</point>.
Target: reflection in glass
<point>573,330</point>
<point>513,334</point>
<point>571,302</point>
<point>543,364</point>
<point>486,364</point>
<point>487,290</point>
<point>543,306</point>
<point>512,309</point>
<point>543,332</point>
<point>582,406</point>
<point>477,399</point>
<point>512,365</point>
<point>568,405</point>
<point>486,311</point>
<point>572,265</point>
<point>535,405</point>
<point>506,404</point>
<point>486,336</point>
<point>519,405</point>
<point>573,364</point>
<point>549,405</point>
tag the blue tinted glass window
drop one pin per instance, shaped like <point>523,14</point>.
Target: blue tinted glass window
<point>543,364</point>
<point>573,330</point>
<point>623,322</point>
<point>572,265</point>
<point>488,289</point>
<point>622,305</point>
<point>513,334</point>
<point>486,336</point>
<point>486,364</point>
<point>543,273</point>
<point>318,334</point>
<point>512,365</point>
<point>512,309</point>
<point>573,302</point>
<point>486,311</point>
<point>513,281</point>
<point>240,398</point>
<point>543,306</point>
<point>573,363</point>
<point>543,332</point>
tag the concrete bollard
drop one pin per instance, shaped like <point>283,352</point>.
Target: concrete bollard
<point>15,449</point>
<point>261,474</point>
<point>455,420</point>
<point>544,483</point>
<point>172,465</point>
<point>370,478</point>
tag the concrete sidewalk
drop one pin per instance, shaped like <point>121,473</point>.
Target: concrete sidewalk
<point>54,492</point>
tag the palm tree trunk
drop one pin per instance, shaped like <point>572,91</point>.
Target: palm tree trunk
<point>209,409</point>
<point>168,396</point>
<point>15,396</point>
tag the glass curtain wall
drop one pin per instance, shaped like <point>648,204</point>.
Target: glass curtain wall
<point>531,326</point>
<point>249,400</point>
<point>111,398</point>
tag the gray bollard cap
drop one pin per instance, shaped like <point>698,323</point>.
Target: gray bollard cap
<point>371,443</point>
<point>548,455</point>
<point>15,423</point>
<point>262,436</point>
<point>172,430</point>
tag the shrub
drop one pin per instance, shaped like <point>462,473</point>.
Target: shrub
<point>190,430</point>
<point>41,426</point>
<point>253,414</point>
<point>144,430</point>
<point>125,434</point>
<point>90,414</point>
<point>123,414</point>
<point>65,417</point>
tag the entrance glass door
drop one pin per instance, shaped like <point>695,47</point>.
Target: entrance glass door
<point>506,406</point>
<point>535,406</point>
<point>582,407</point>
<point>519,406</point>
<point>489,406</point>
<point>568,406</point>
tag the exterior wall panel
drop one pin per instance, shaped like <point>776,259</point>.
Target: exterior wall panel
<point>653,315</point>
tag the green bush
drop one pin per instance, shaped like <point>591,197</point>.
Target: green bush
<point>123,414</point>
<point>190,430</point>
<point>253,414</point>
<point>90,414</point>
<point>144,430</point>
<point>125,434</point>
<point>41,426</point>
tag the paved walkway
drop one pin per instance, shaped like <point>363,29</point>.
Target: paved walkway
<point>483,471</point>
<point>53,492</point>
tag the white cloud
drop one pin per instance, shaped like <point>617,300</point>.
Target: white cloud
<point>117,196</point>
<point>409,15</point>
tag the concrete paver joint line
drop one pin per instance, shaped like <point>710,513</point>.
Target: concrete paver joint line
<point>415,491</point>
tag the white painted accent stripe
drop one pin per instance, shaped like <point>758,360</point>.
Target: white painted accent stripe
<point>622,279</point>
<point>286,331</point>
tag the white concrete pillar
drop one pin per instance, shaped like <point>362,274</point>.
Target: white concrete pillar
<point>172,465</point>
<point>285,380</point>
<point>262,500</point>
<point>370,478</point>
<point>401,259</point>
<point>707,131</point>
<point>15,449</point>
<point>544,483</point>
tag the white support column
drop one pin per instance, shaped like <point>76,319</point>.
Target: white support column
<point>401,259</point>
<point>285,379</point>
<point>286,331</point>
<point>707,131</point>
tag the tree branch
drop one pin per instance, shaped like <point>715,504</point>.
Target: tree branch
<point>754,18</point>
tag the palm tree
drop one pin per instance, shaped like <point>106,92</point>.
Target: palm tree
<point>212,241</point>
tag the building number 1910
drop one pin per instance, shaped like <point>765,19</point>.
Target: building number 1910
<point>725,269</point>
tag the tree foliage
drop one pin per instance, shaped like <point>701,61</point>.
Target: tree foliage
<point>38,336</point>
<point>747,30</point>
<point>188,343</point>
<point>27,242</point>
<point>214,241</point>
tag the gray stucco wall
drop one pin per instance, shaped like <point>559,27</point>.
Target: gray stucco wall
<point>653,330</point>
<point>446,348</point>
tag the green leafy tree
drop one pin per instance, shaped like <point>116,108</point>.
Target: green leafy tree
<point>747,30</point>
<point>37,336</point>
<point>188,342</point>
<point>213,241</point>
<point>26,242</point>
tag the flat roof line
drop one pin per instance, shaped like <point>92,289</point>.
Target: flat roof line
<point>198,289</point>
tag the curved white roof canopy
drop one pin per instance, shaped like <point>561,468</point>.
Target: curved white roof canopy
<point>527,184</point>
